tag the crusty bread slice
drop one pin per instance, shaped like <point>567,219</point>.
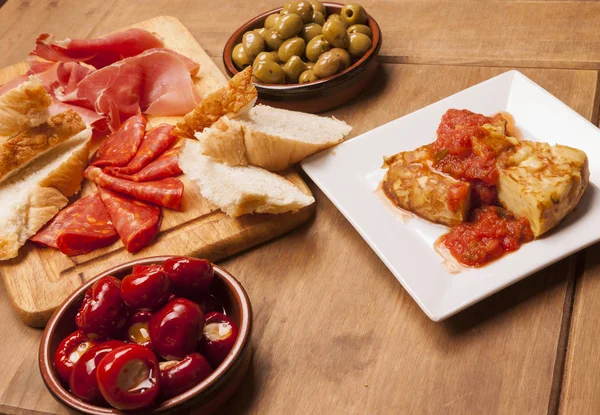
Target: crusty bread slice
<point>21,149</point>
<point>239,190</point>
<point>541,182</point>
<point>23,107</point>
<point>224,142</point>
<point>237,97</point>
<point>31,197</point>
<point>274,138</point>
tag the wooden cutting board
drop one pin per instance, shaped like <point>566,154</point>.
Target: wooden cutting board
<point>39,279</point>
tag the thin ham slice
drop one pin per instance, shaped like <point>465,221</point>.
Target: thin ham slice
<point>157,82</point>
<point>155,142</point>
<point>99,52</point>
<point>166,192</point>
<point>167,165</point>
<point>122,145</point>
<point>136,222</point>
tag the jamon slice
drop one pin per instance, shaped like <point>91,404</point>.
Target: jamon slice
<point>99,52</point>
<point>80,228</point>
<point>121,146</point>
<point>136,222</point>
<point>412,184</point>
<point>154,144</point>
<point>166,192</point>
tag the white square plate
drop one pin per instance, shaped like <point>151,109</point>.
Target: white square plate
<point>350,173</point>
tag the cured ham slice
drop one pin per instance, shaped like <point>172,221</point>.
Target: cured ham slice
<point>155,143</point>
<point>99,52</point>
<point>167,165</point>
<point>121,146</point>
<point>166,192</point>
<point>157,82</point>
<point>80,228</point>
<point>136,222</point>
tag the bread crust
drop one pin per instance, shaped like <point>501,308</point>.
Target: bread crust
<point>239,95</point>
<point>23,107</point>
<point>24,147</point>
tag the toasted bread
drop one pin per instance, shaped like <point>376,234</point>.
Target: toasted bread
<point>23,107</point>
<point>236,98</point>
<point>32,196</point>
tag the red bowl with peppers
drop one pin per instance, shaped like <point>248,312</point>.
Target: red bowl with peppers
<point>143,357</point>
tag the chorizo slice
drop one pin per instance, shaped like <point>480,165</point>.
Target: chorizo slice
<point>166,192</point>
<point>137,222</point>
<point>167,165</point>
<point>121,146</point>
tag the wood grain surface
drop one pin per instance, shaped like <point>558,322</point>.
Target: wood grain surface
<point>200,229</point>
<point>334,331</point>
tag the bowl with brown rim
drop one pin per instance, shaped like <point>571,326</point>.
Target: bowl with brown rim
<point>323,94</point>
<point>206,396</point>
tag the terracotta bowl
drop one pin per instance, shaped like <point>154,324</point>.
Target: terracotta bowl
<point>318,96</point>
<point>205,397</point>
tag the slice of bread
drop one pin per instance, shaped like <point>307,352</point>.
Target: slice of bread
<point>23,107</point>
<point>273,138</point>
<point>23,148</point>
<point>31,197</point>
<point>237,97</point>
<point>239,190</point>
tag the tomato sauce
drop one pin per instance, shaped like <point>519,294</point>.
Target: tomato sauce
<point>453,153</point>
<point>491,232</point>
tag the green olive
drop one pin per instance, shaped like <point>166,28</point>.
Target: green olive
<point>359,45</point>
<point>272,39</point>
<point>287,6</point>
<point>345,58</point>
<point>310,30</point>
<point>261,32</point>
<point>291,47</point>
<point>338,18</point>
<point>302,8</point>
<point>328,64</point>
<point>288,26</point>
<point>253,44</point>
<point>266,56</point>
<point>271,20</point>
<point>335,33</point>
<point>318,7</point>
<point>269,72</point>
<point>318,18</point>
<point>293,68</point>
<point>361,28</point>
<point>240,59</point>
<point>316,47</point>
<point>310,65</point>
<point>354,13</point>
<point>307,76</point>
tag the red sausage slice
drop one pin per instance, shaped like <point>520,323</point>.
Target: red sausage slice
<point>136,222</point>
<point>167,165</point>
<point>166,192</point>
<point>154,144</point>
<point>120,147</point>
<point>79,228</point>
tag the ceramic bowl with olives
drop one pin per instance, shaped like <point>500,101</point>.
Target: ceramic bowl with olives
<point>304,43</point>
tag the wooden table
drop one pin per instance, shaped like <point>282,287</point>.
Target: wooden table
<point>334,331</point>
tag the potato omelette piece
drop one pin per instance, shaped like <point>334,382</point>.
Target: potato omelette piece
<point>412,184</point>
<point>541,182</point>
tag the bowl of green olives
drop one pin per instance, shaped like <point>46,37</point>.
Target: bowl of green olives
<point>307,55</point>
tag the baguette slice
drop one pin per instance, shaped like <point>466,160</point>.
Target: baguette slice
<point>239,190</point>
<point>39,191</point>
<point>237,97</point>
<point>273,138</point>
<point>23,148</point>
<point>541,182</point>
<point>23,107</point>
